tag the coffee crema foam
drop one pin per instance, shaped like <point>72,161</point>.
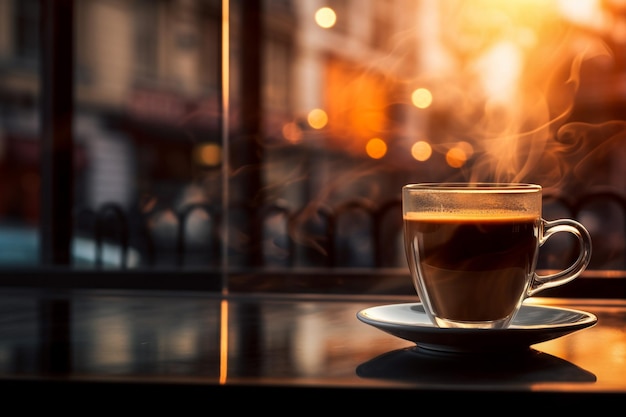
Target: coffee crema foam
<point>471,216</point>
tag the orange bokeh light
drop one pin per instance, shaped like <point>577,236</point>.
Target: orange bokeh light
<point>208,154</point>
<point>422,98</point>
<point>421,151</point>
<point>292,132</point>
<point>317,118</point>
<point>456,157</point>
<point>376,148</point>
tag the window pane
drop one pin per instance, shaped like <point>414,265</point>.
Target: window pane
<point>19,135</point>
<point>149,121</point>
<point>300,162</point>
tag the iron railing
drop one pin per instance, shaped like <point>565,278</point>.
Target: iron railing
<point>356,233</point>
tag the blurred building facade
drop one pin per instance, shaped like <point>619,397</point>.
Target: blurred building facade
<point>335,122</point>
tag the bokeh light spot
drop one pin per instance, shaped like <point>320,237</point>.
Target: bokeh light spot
<point>317,118</point>
<point>208,154</point>
<point>421,151</point>
<point>292,132</point>
<point>422,98</point>
<point>376,148</point>
<point>325,17</point>
<point>456,157</point>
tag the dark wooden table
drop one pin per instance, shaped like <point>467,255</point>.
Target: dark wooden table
<point>199,344</point>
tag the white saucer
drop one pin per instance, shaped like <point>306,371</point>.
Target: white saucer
<point>533,324</point>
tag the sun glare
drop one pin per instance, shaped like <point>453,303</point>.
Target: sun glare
<point>500,69</point>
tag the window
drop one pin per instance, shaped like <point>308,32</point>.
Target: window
<point>302,166</point>
<point>26,30</point>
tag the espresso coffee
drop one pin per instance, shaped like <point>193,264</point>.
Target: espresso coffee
<point>475,266</point>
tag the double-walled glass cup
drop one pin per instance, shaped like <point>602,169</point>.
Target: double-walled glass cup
<point>472,250</point>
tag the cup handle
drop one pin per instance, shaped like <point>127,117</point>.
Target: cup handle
<point>549,228</point>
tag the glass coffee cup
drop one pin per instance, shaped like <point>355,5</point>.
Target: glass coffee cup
<point>472,250</point>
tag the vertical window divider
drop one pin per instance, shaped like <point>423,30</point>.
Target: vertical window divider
<point>57,113</point>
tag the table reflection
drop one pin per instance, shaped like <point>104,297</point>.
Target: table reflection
<point>286,340</point>
<point>415,364</point>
